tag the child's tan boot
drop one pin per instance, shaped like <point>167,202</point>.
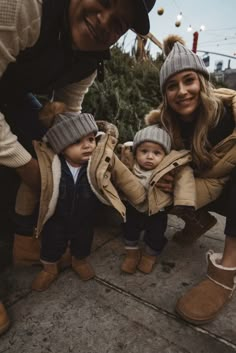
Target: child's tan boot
<point>44,278</point>
<point>131,261</point>
<point>4,319</point>
<point>83,268</point>
<point>147,263</point>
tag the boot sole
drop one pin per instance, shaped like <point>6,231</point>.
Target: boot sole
<point>199,322</point>
<point>4,328</point>
<point>128,272</point>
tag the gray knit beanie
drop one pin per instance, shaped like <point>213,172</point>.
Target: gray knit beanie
<point>152,133</point>
<point>179,59</point>
<point>68,128</point>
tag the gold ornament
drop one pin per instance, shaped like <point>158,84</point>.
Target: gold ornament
<point>177,24</point>
<point>160,11</point>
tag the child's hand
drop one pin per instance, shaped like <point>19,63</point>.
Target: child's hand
<point>166,183</point>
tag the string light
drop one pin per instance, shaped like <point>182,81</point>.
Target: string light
<point>202,28</point>
<point>189,29</point>
<point>179,16</point>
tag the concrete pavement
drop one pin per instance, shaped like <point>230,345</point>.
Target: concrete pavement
<point>115,312</point>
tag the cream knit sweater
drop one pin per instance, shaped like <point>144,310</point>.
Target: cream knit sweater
<point>20,22</point>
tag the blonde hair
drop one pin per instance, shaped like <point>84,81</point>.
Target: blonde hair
<point>207,116</point>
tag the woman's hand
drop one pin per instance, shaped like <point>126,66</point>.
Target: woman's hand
<point>166,183</point>
<point>30,174</point>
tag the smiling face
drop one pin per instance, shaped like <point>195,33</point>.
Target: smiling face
<point>183,94</point>
<point>149,155</point>
<point>80,152</point>
<point>97,24</point>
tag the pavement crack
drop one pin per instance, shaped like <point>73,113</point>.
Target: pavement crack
<point>164,312</point>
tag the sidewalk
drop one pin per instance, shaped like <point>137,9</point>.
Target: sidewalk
<point>117,313</point>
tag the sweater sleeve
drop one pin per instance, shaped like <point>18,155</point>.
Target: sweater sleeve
<point>19,29</point>
<point>72,95</point>
<point>12,153</point>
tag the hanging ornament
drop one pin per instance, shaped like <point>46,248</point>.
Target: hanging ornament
<point>177,24</point>
<point>160,11</point>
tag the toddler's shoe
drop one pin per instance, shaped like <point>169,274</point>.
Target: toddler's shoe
<point>83,268</point>
<point>147,263</point>
<point>46,277</point>
<point>4,319</point>
<point>131,261</point>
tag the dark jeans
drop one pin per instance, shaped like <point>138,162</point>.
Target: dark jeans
<point>154,227</point>
<point>56,236</point>
<point>21,114</point>
<point>226,205</point>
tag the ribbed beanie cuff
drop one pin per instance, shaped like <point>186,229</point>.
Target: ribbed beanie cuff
<point>68,128</point>
<point>152,133</point>
<point>180,59</point>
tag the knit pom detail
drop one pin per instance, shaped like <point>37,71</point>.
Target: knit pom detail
<point>153,117</point>
<point>169,42</point>
<point>49,111</point>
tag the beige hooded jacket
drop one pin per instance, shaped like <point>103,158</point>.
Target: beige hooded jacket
<point>176,162</point>
<point>107,175</point>
<point>210,184</point>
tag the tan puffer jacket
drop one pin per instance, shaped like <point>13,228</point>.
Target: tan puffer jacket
<point>176,162</point>
<point>107,175</point>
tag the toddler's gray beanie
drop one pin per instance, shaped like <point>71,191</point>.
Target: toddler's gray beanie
<point>68,128</point>
<point>152,133</point>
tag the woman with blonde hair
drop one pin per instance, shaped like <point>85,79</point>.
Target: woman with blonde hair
<point>202,119</point>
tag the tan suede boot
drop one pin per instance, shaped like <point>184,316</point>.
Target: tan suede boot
<point>46,277</point>
<point>202,303</point>
<point>194,227</point>
<point>83,269</point>
<point>147,263</point>
<point>26,250</point>
<point>66,260</point>
<point>4,319</point>
<point>131,261</point>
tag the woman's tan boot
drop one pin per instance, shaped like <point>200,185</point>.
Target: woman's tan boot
<point>83,268</point>
<point>147,263</point>
<point>46,277</point>
<point>203,302</point>
<point>4,319</point>
<point>131,261</point>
